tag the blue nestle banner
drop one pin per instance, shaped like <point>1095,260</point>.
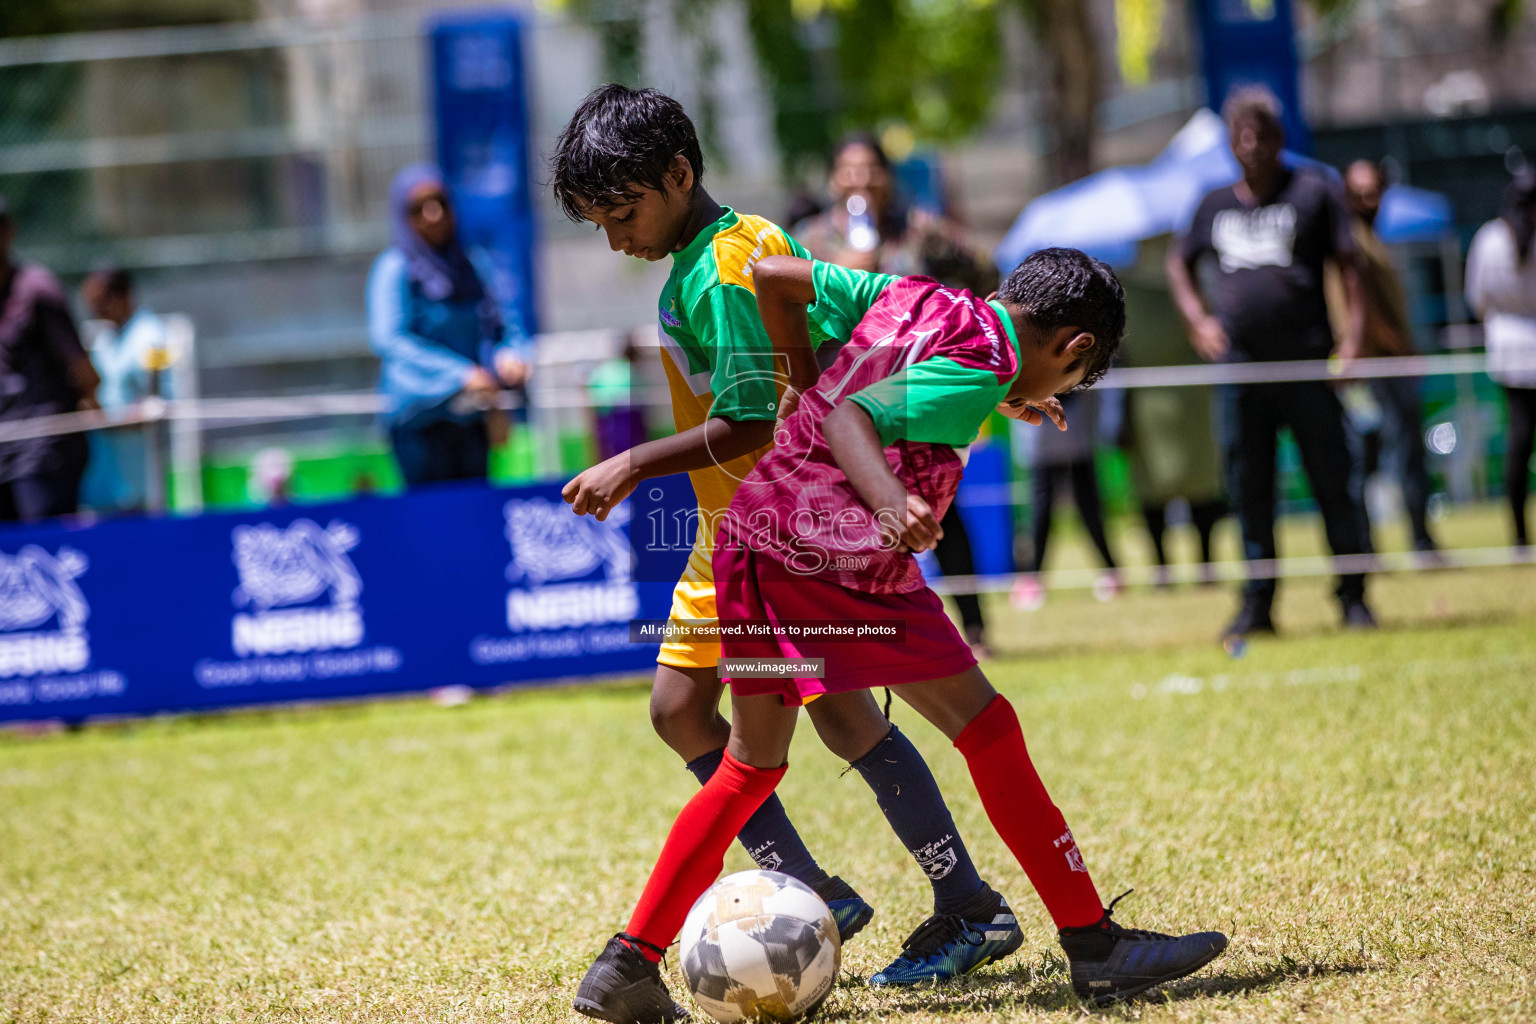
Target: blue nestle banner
<point>479,78</point>
<point>462,585</point>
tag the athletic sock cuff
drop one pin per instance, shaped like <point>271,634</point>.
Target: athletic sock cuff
<point>747,780</point>
<point>705,765</point>
<point>995,721</point>
<point>875,752</point>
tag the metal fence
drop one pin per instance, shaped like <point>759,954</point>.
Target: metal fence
<point>190,146</point>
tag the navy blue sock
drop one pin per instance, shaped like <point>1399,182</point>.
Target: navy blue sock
<point>770,839</point>
<point>915,808</point>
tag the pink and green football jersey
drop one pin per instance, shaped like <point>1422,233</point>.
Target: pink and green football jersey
<point>929,364</point>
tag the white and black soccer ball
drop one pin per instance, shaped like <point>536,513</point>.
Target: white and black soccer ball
<point>760,946</point>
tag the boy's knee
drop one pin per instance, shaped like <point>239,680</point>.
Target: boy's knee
<point>849,726</point>
<point>686,723</point>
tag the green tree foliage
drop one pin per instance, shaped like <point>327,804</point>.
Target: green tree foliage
<point>930,66</point>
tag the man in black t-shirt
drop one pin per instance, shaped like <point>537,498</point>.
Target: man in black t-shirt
<point>1267,239</point>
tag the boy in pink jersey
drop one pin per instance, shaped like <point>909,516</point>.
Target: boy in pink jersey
<point>820,537</point>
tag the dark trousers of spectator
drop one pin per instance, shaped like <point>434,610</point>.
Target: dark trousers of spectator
<point>1517,455</point>
<point>954,555</point>
<point>1084,481</point>
<point>1249,419</point>
<point>1397,448</point>
<point>50,485</point>
<point>441,451</point>
<point>1203,514</point>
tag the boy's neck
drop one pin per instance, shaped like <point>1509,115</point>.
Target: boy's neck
<point>703,211</point>
<point>1023,328</point>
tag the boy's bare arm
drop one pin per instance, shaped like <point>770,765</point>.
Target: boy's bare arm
<point>856,447</point>
<point>717,440</point>
<point>784,289</point>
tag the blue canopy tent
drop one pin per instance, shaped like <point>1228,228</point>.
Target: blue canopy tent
<point>1110,213</point>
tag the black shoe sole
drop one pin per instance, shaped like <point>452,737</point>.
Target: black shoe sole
<point>1132,993</point>
<point>587,1008</point>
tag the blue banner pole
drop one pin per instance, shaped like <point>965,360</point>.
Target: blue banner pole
<point>479,89</point>
<point>1253,42</point>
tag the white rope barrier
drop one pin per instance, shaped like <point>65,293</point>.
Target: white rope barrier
<point>1238,571</point>
<point>1294,371</point>
<point>275,409</point>
<point>215,412</point>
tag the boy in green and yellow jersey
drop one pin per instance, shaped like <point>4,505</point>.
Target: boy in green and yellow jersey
<point>629,161</point>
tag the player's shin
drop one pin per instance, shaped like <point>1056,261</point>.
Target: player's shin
<point>695,849</point>
<point>915,809</point>
<point>1028,821</point>
<point>769,837</point>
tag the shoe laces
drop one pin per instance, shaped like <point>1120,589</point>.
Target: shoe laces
<point>632,944</point>
<point>1121,932</point>
<point>930,937</point>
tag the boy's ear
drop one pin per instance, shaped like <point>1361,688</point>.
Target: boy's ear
<point>680,173</point>
<point>1077,344</point>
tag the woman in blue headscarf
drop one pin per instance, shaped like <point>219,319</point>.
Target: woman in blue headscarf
<point>447,349</point>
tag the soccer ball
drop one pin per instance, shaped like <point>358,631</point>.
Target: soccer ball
<point>760,946</point>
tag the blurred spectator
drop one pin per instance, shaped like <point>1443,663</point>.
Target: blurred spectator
<point>128,349</point>
<point>1056,459</point>
<point>1501,288</point>
<point>866,227</point>
<point>1271,234</point>
<point>618,421</point>
<point>43,371</point>
<point>1167,431</point>
<point>447,346</point>
<point>1396,436</point>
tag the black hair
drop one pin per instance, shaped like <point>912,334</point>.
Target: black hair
<point>114,280</point>
<point>1253,101</point>
<point>619,141</point>
<point>1068,288</point>
<point>1520,211</point>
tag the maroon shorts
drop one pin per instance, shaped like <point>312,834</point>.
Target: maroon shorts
<point>753,589</point>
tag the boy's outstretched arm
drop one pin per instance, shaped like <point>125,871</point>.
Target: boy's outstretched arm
<point>717,440</point>
<point>784,289</point>
<point>855,445</point>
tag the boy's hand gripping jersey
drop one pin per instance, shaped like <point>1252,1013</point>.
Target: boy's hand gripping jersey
<point>929,364</point>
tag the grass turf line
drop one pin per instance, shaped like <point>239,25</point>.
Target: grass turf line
<point>1354,810</point>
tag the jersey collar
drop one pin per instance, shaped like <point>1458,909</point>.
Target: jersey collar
<point>706,235</point>
<point>1002,314</point>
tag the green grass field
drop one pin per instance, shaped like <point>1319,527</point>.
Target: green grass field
<point>1356,811</point>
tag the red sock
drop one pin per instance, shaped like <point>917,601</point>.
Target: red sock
<point>1024,816</point>
<point>695,849</point>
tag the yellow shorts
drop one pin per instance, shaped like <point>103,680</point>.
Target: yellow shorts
<point>691,639</point>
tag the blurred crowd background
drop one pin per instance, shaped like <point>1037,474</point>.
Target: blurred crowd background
<point>209,182</point>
